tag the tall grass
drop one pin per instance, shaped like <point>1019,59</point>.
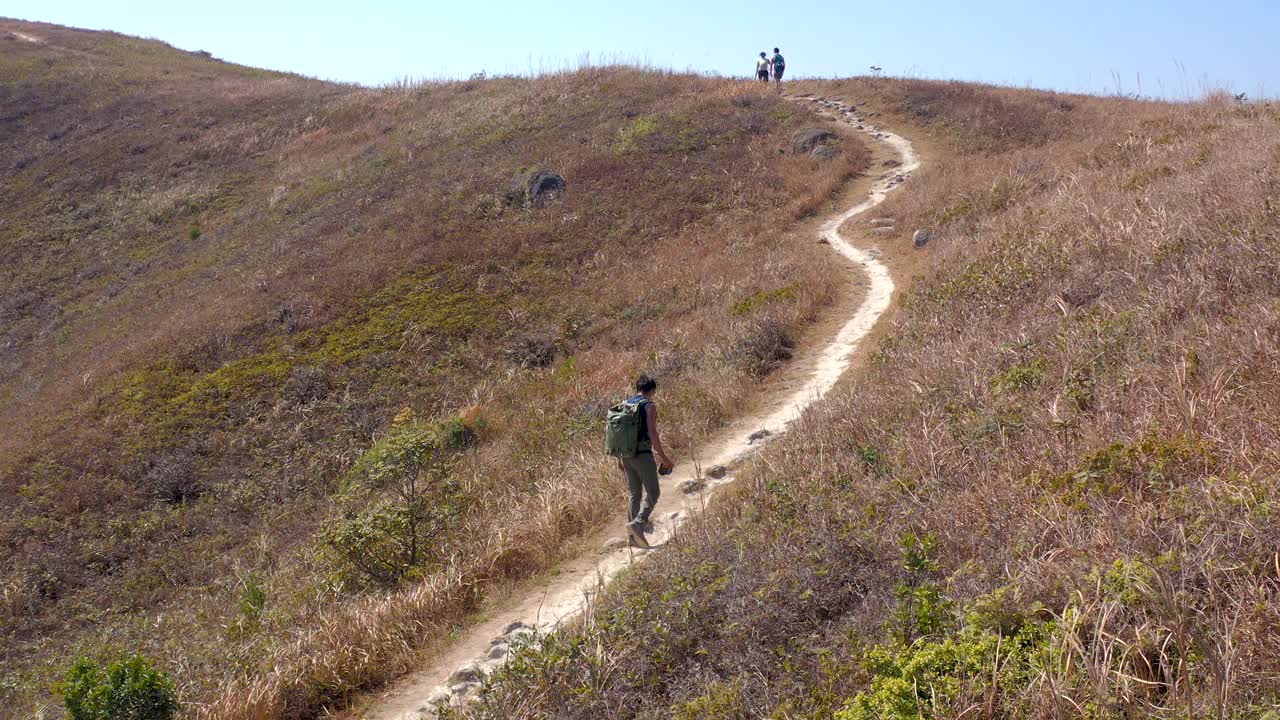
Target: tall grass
<point>1075,404</point>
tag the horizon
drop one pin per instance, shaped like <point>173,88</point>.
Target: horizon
<point>1034,47</point>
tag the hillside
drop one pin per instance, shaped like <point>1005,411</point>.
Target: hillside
<point>1050,492</point>
<point>238,308</point>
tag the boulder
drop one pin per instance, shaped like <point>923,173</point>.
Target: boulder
<point>824,152</point>
<point>806,140</point>
<point>535,187</point>
<point>920,238</point>
<point>758,435</point>
<point>717,471</point>
<point>497,652</point>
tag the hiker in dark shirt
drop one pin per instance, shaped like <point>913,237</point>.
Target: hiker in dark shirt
<point>642,470</point>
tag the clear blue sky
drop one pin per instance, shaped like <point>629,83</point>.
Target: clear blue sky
<point>1081,45</point>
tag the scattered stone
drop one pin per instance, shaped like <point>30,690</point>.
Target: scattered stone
<point>461,689</point>
<point>920,238</point>
<point>469,673</point>
<point>690,486</point>
<point>499,651</point>
<point>673,516</point>
<point>517,625</point>
<point>823,241</point>
<point>891,163</point>
<point>760,434</point>
<point>809,138</point>
<point>521,635</point>
<point>439,697</point>
<point>717,471</point>
<point>824,152</point>
<point>884,221</point>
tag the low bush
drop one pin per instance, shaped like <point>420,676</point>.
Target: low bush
<point>764,344</point>
<point>128,689</point>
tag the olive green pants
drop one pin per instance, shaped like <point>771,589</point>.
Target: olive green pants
<point>642,481</point>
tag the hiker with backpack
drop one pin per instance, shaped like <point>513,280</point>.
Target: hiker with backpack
<point>631,436</point>
<point>779,66</point>
<point>762,68</point>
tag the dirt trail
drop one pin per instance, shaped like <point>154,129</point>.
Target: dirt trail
<point>452,676</point>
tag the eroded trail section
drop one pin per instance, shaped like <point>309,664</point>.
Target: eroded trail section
<point>452,677</point>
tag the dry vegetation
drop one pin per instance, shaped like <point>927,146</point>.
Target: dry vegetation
<point>1053,490</point>
<point>229,296</point>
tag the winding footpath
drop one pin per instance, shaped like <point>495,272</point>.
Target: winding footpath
<point>453,677</point>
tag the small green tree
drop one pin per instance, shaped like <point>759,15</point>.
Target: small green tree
<point>922,610</point>
<point>128,689</point>
<point>398,498</point>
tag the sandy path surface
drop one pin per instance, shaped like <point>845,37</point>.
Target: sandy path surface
<point>452,676</point>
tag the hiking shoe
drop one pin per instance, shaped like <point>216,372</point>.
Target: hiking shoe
<point>637,535</point>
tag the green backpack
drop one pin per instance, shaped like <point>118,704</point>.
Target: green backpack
<point>622,429</point>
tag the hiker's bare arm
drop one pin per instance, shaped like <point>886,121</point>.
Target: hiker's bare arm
<point>651,415</point>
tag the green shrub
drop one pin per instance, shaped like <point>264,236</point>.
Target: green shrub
<point>925,679</point>
<point>398,500</point>
<point>631,135</point>
<point>763,299</point>
<point>718,700</point>
<point>1020,377</point>
<point>128,689</point>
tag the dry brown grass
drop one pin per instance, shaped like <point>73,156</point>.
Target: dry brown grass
<point>183,406</point>
<point>1079,401</point>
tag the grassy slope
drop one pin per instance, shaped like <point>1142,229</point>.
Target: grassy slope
<point>222,284</point>
<point>1052,493</point>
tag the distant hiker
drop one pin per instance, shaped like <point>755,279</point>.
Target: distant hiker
<point>779,65</point>
<point>762,68</point>
<point>631,436</point>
